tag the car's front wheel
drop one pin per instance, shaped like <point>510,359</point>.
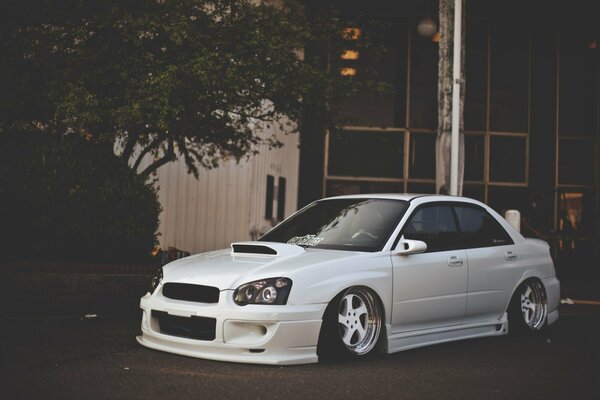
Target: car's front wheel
<point>351,324</point>
<point>528,309</point>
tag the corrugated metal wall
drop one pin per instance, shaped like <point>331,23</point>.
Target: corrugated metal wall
<point>225,204</point>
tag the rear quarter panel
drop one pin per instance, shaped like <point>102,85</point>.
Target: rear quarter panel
<point>536,260</point>
<point>537,263</point>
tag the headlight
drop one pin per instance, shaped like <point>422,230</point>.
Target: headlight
<point>155,280</point>
<point>266,291</point>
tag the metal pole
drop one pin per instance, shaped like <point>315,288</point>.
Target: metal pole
<point>454,142</point>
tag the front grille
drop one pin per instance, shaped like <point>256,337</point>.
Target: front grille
<point>187,292</point>
<point>200,328</point>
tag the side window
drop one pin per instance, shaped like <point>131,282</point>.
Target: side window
<point>434,225</point>
<point>479,229</point>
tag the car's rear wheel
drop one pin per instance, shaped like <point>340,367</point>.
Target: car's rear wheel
<point>351,324</point>
<point>528,311</point>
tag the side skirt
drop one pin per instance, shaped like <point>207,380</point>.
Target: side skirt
<point>410,340</point>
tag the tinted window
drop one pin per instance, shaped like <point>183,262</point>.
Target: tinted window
<point>422,156</point>
<point>434,225</point>
<point>507,158</point>
<point>358,153</point>
<point>479,228</point>
<point>576,161</point>
<point>509,78</point>
<point>423,83</point>
<point>341,224</point>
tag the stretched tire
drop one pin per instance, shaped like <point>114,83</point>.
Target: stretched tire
<point>351,324</point>
<point>528,310</point>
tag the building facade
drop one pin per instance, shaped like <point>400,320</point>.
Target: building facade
<point>531,119</point>
<point>236,201</point>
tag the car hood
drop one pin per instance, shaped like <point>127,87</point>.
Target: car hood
<point>226,269</point>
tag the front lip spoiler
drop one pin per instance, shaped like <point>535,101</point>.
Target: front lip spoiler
<point>258,334</point>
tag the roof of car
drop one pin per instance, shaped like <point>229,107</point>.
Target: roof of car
<point>392,196</point>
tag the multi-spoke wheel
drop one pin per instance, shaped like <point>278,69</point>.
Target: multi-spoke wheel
<point>529,307</point>
<point>352,324</point>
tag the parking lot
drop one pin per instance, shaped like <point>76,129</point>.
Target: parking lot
<point>98,358</point>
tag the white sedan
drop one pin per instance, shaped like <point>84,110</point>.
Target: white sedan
<point>349,275</point>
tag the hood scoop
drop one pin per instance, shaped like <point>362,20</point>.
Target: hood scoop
<point>265,249</point>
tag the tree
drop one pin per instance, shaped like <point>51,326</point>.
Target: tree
<point>58,204</point>
<point>176,78</point>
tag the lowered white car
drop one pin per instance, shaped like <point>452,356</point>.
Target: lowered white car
<point>349,275</point>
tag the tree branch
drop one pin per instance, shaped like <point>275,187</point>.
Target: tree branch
<point>265,117</point>
<point>154,144</point>
<point>129,146</point>
<point>166,158</point>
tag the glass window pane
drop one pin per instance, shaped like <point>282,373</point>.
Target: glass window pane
<point>339,187</point>
<point>389,109</point>
<point>373,154</point>
<point>507,158</point>
<point>576,214</point>
<point>341,224</point>
<point>578,77</point>
<point>474,157</point>
<point>423,85</point>
<point>476,59</point>
<point>575,243</point>
<point>537,216</point>
<point>576,162</point>
<point>422,156</point>
<point>384,187</point>
<point>420,187</point>
<point>509,90</point>
<point>474,191</point>
<point>542,160</point>
<point>507,198</point>
<point>480,229</point>
<point>434,225</point>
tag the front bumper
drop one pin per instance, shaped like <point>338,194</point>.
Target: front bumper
<point>260,334</point>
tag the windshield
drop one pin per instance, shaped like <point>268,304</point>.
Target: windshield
<point>341,224</point>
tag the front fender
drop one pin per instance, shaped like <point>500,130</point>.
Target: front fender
<point>322,284</point>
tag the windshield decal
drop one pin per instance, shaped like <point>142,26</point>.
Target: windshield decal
<point>308,240</point>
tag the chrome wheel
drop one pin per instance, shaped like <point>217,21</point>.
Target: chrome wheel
<point>359,320</point>
<point>534,305</point>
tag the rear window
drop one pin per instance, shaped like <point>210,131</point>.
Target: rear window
<point>479,229</point>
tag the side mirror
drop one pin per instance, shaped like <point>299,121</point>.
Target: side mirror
<point>409,246</point>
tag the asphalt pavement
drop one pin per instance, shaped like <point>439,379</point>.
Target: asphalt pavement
<point>98,358</point>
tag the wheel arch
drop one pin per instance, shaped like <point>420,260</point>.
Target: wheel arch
<point>381,345</point>
<point>338,280</point>
<point>332,301</point>
<point>524,278</point>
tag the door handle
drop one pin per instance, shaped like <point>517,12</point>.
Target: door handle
<point>454,261</point>
<point>510,255</point>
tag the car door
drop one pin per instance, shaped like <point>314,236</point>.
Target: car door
<point>430,288</point>
<point>494,265</point>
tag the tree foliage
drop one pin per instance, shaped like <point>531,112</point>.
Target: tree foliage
<point>67,199</point>
<point>171,78</point>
